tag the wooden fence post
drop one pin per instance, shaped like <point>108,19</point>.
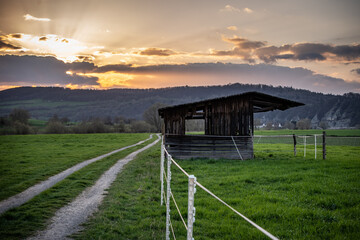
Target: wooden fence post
<point>168,192</point>
<point>191,208</point>
<point>324,145</point>
<point>162,171</point>
<point>294,137</point>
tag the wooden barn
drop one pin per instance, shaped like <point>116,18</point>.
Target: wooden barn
<point>229,125</point>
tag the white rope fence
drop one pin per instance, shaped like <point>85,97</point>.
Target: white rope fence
<point>306,143</point>
<point>191,191</point>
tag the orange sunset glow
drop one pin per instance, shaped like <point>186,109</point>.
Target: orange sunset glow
<point>151,44</point>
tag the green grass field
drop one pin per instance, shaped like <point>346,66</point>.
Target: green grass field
<point>28,159</point>
<point>291,197</point>
<point>25,220</point>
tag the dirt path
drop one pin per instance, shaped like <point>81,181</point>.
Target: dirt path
<point>33,191</point>
<point>67,219</point>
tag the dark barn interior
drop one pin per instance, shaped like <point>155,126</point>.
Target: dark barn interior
<point>229,125</point>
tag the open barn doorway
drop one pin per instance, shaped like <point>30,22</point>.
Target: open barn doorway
<point>195,126</point>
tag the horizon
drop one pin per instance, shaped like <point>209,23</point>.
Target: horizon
<point>111,44</point>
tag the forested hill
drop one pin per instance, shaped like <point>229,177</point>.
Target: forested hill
<point>44,102</point>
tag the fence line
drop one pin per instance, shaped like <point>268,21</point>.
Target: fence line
<point>191,209</point>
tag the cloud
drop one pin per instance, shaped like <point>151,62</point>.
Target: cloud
<point>357,71</point>
<point>232,28</point>
<point>65,49</point>
<point>48,71</point>
<point>194,74</point>
<point>259,50</point>
<point>248,10</point>
<point>4,45</point>
<point>28,17</point>
<point>229,8</point>
<point>16,35</point>
<point>244,48</point>
<point>157,52</point>
<point>34,70</point>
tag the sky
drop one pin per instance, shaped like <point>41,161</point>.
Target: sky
<point>103,44</point>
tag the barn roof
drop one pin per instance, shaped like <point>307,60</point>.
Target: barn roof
<point>261,103</point>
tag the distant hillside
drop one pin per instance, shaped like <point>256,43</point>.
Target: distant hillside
<point>44,102</point>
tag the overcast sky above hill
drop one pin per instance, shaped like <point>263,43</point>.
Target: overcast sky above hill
<point>305,44</point>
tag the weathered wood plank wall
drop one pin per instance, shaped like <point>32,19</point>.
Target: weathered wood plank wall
<point>214,147</point>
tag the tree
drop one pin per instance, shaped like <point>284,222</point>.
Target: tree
<point>324,125</point>
<point>141,127</point>
<point>289,125</point>
<point>55,127</point>
<point>20,115</point>
<point>151,116</point>
<point>303,124</point>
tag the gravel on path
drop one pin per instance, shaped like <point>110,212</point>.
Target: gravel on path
<point>67,219</point>
<point>35,190</point>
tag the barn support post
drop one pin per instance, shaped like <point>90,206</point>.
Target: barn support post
<point>294,137</point>
<point>168,192</point>
<point>324,145</point>
<point>162,171</point>
<point>191,208</point>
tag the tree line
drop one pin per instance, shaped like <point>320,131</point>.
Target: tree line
<point>17,122</point>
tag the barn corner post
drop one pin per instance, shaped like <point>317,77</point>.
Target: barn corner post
<point>324,145</point>
<point>191,208</point>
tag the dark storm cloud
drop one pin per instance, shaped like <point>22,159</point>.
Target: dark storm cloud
<point>34,70</point>
<point>157,52</point>
<point>252,50</point>
<point>43,38</point>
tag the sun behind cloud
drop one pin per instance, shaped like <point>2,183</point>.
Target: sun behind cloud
<point>110,79</point>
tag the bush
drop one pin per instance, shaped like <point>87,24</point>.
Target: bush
<point>303,124</point>
<point>142,127</point>
<point>55,127</point>
<point>21,128</point>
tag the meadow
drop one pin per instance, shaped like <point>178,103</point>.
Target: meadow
<point>28,159</point>
<point>291,197</point>
<point>23,221</point>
